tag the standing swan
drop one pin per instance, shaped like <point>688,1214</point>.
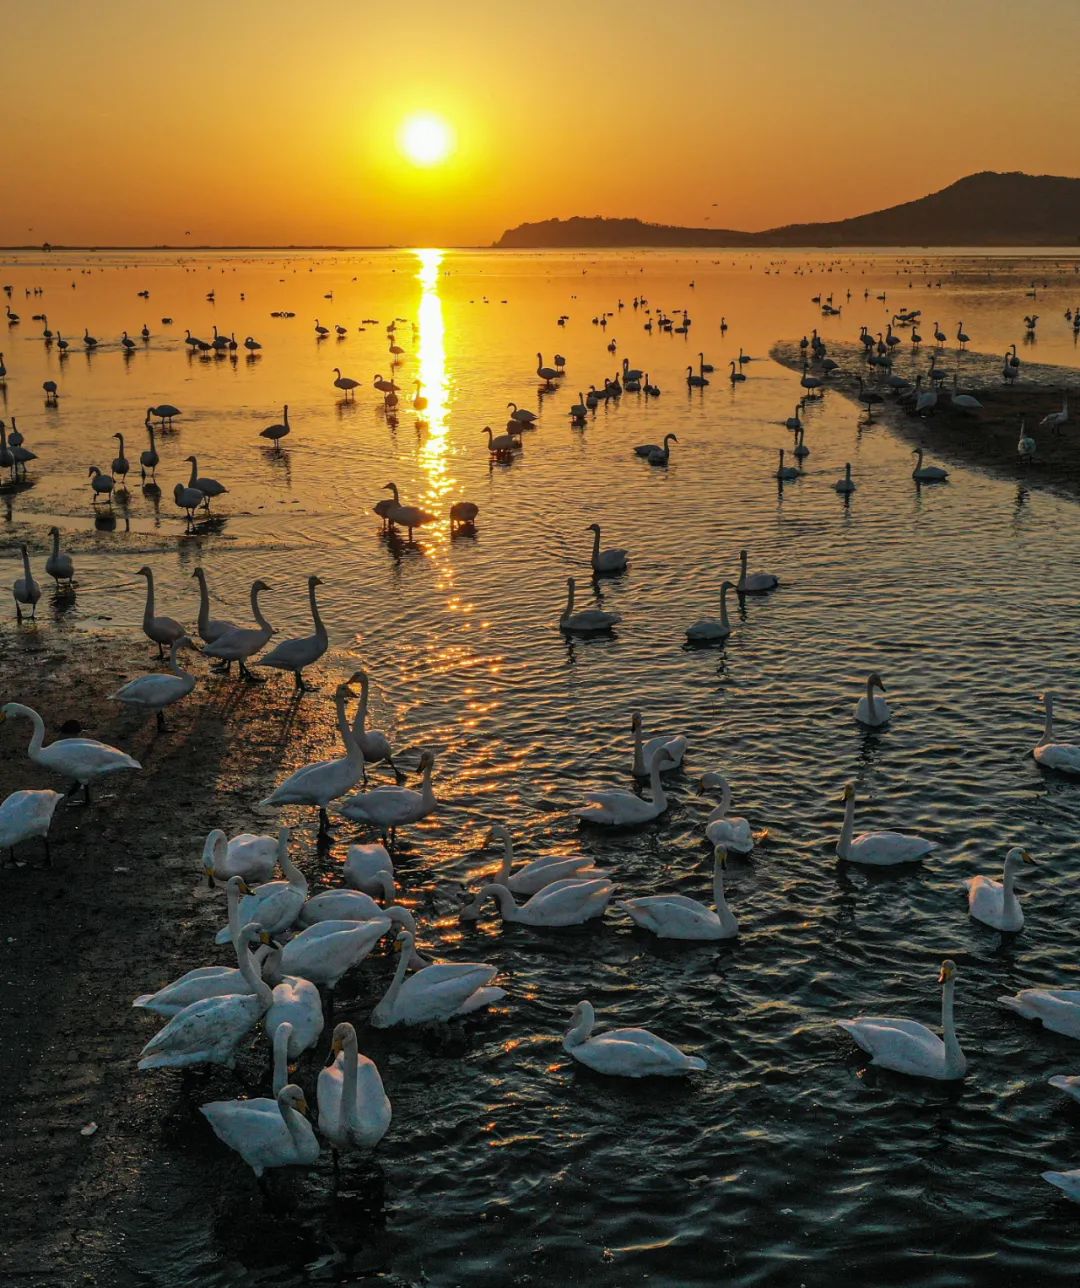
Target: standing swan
<point>906,1046</point>
<point>161,630</point>
<point>265,1133</point>
<point>995,903</point>
<point>26,815</point>
<point>354,1112</point>
<point>156,692</point>
<point>25,589</point>
<point>878,849</point>
<point>210,629</point>
<point>59,565</point>
<point>871,711</point>
<point>243,642</point>
<point>372,742</point>
<point>82,759</point>
<point>626,1053</point>
<point>389,808</point>
<point>674,916</point>
<point>295,655</point>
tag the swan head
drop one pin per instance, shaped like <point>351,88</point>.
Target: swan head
<point>593,527</point>
<point>404,942</point>
<point>292,1097</point>
<point>191,458</point>
<point>720,856</point>
<point>145,570</point>
<point>315,581</point>
<point>848,793</point>
<point>948,971</point>
<point>471,910</point>
<point>427,761</point>
<point>711,781</point>
<point>875,680</point>
<point>1017,859</point>
<point>582,1017</point>
<point>635,721</point>
<point>496,832</point>
<point>259,586</point>
<point>344,1035</point>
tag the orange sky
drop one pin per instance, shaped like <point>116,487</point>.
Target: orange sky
<point>131,121</point>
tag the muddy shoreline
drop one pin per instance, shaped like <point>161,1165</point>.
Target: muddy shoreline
<point>119,911</point>
<point>985,439</point>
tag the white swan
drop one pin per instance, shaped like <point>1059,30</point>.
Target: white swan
<point>295,655</point>
<point>26,815</point>
<point>354,905</point>
<point>545,871</point>
<point>713,628</point>
<point>927,473</point>
<point>672,745</point>
<point>161,630</point>
<point>210,1030</point>
<point>906,1046</point>
<point>626,1053</point>
<point>325,780</point>
<point>1025,445</point>
<point>872,711</point>
<point>878,849</point>
<point>296,1007</point>
<point>1057,1008</point>
<point>243,642</point>
<point>389,808</point>
<point>323,953</point>
<point>731,831</point>
<point>619,808</point>
<point>587,620</point>
<point>245,855</point>
<point>994,902</point>
<point>354,1111</point>
<point>274,905</point>
<point>265,1133</point>
<point>562,903</point>
<point>83,759</point>
<point>1067,1182</point>
<point>755,583</point>
<point>606,561</point>
<point>674,916</point>
<point>1063,756</point>
<point>1070,1086</point>
<point>442,991</point>
<point>156,692</point>
<point>369,868</point>
<point>373,742</point>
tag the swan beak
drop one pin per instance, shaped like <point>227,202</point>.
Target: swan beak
<point>244,887</point>
<point>302,1105</point>
<point>1027,857</point>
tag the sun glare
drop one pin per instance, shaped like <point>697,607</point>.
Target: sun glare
<point>426,140</point>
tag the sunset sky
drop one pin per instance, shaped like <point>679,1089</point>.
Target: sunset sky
<point>274,122</point>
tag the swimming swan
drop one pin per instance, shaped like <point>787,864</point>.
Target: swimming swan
<point>872,711</point>
<point>626,1053</point>
<point>619,808</point>
<point>562,903</point>
<point>1063,756</point>
<point>713,628</point>
<point>442,991</point>
<point>545,871</point>
<point>730,831</point>
<point>994,902</point>
<point>587,620</point>
<point>878,849</point>
<point>265,1133</point>
<point>674,746</point>
<point>1057,1008</point>
<point>674,916</point>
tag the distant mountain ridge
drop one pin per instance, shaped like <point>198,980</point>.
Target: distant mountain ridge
<point>985,209</point>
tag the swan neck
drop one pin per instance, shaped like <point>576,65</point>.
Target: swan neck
<point>350,1063</point>
<point>844,844</point>
<point>581,1031</point>
<point>954,1057</point>
<point>194,472</point>
<point>281,1057</point>
<point>292,873</point>
<point>659,798</point>
<point>148,611</point>
<point>257,984</point>
<point>1048,726</point>
<point>320,629</point>
<point>204,603</point>
<point>639,754</point>
<point>870,699</point>
<point>724,621</point>
<point>508,857</point>
<point>255,610</point>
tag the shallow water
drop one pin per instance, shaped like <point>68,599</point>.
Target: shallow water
<point>504,1161</point>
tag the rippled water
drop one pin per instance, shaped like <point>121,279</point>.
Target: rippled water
<point>787,1160</point>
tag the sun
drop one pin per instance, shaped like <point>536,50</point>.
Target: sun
<point>426,140</point>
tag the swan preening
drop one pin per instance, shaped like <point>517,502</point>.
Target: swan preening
<point>672,746</point>
<point>906,1046</point>
<point>994,902</point>
<point>626,1053</point>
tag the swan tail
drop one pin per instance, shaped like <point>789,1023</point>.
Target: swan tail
<point>1014,1004</point>
<point>1059,1080</point>
<point>696,1063</point>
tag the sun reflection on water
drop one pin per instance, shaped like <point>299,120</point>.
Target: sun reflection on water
<point>434,451</point>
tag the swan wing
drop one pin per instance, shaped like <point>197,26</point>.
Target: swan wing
<point>207,1031</point>
<point>1064,756</point>
<point>635,1053</point>
<point>883,848</point>
<point>902,1045</point>
<point>674,916</point>
<point>206,981</point>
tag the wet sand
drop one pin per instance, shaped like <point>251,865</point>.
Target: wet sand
<point>120,911</point>
<point>985,439</point>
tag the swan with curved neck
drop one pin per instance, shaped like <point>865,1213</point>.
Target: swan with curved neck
<point>619,808</point>
<point>391,807</point>
<point>878,849</point>
<point>911,1048</point>
<point>161,630</point>
<point>209,628</point>
<point>605,561</point>
<point>1062,756</point>
<point>729,830</point>
<point>294,655</point>
<point>82,759</point>
<point>373,742</point>
<point>275,905</point>
<point>354,1112</point>
<point>871,710</point>
<point>545,871</point>
<point>156,692</point>
<point>266,1133</point>
<point>442,991</point>
<point>243,642</point>
<point>566,902</point>
<point>671,745</point>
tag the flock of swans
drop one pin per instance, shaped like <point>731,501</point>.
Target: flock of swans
<point>291,948</point>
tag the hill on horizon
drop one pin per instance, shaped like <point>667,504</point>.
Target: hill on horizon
<point>985,209</point>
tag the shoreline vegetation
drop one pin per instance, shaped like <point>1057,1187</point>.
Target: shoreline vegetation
<point>985,439</point>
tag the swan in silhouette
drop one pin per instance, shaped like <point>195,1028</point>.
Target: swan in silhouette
<point>210,628</point>
<point>354,1111</point>
<point>675,916</point>
<point>405,516</point>
<point>1057,1008</point>
<point>877,849</point>
<point>695,381</point>
<point>1025,445</point>
<point>419,401</point>
<point>546,374</point>
<point>148,458</point>
<point>274,905</point>
<point>82,759</point>
<point>580,410</point>
<point>661,455</point>
<point>243,642</point>
<point>26,816</point>
<point>567,902</point>
<point>619,808</point>
<point>846,484</point>
<point>756,583</point>
<point>961,337</point>
<point>786,473</point>
<point>441,991</point>
<point>793,422</point>
<point>251,344</point>
<point>625,1053</point>
<point>545,871</point>
<point>209,1031</point>
<point>501,444</point>
<point>808,382</point>
<point>248,856</point>
<point>345,383</point>
<point>102,484</point>
<point>324,781</point>
<point>722,828</point>
<point>1063,756</point>
<point>26,590</point>
<point>587,620</point>
<point>208,487</point>
<point>159,630</point>
<point>463,516</point>
<point>994,902</point>
<point>372,742</point>
<point>521,415</point>
<point>188,499</point>
<point>713,628</point>
<point>673,746</point>
<point>265,1133</point>
<point>906,1046</point>
<point>391,807</point>
<point>165,413</point>
<point>801,451</point>
<point>275,433</point>
<point>156,692</point>
<point>870,710</point>
<point>927,473</point>
<point>296,654</point>
<point>605,561</point>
